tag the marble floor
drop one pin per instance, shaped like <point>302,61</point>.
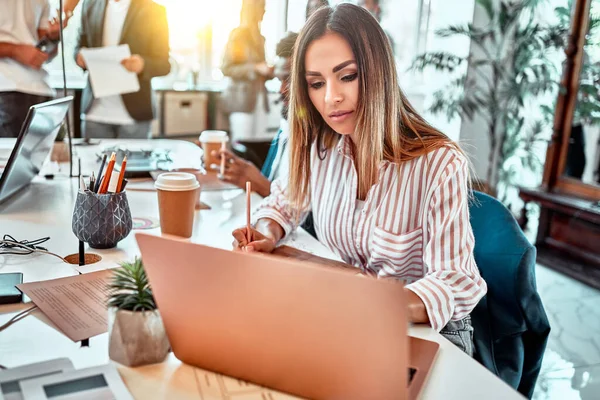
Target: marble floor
<point>571,366</point>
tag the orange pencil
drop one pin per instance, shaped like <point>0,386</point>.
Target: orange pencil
<point>122,175</point>
<point>108,173</point>
<point>248,227</point>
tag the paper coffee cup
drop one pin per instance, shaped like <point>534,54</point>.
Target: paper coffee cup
<point>177,195</point>
<point>212,141</point>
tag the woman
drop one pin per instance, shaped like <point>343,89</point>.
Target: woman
<point>389,193</point>
<point>244,62</point>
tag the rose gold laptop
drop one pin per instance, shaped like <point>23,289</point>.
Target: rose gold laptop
<point>296,327</point>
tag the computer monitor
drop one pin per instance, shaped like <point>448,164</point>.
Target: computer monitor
<point>33,145</point>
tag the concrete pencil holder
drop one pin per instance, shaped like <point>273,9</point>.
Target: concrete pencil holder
<point>101,220</point>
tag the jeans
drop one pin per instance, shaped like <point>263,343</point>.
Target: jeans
<point>13,111</point>
<point>97,130</point>
<point>460,333</point>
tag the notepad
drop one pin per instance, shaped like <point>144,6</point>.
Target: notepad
<point>107,76</point>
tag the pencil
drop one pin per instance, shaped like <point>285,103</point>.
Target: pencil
<point>108,173</point>
<point>99,176</point>
<point>223,157</point>
<point>121,175</point>
<point>248,227</point>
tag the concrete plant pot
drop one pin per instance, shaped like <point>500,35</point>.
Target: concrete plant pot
<point>136,338</point>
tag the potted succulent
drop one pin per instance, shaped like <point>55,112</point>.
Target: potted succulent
<point>60,150</point>
<point>136,332</point>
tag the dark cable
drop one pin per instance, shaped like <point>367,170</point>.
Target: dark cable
<point>10,246</point>
<point>64,73</point>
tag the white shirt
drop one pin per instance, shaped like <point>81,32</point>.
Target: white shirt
<point>413,225</point>
<point>111,109</point>
<point>19,23</point>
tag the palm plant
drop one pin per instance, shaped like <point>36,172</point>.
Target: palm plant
<point>511,66</point>
<point>130,289</point>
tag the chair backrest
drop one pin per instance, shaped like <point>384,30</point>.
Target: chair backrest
<point>510,324</point>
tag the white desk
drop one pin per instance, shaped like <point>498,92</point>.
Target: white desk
<point>45,208</point>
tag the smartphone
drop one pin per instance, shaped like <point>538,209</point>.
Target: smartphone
<point>47,45</point>
<point>9,294</point>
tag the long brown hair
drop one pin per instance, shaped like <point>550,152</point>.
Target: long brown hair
<point>388,127</point>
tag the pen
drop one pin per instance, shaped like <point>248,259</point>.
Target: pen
<point>81,184</point>
<point>108,173</point>
<point>223,148</point>
<point>99,177</point>
<point>92,182</point>
<point>248,227</point>
<point>122,175</point>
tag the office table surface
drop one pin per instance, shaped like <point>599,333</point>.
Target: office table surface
<point>45,208</point>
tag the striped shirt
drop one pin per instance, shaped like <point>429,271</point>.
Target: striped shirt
<point>414,224</point>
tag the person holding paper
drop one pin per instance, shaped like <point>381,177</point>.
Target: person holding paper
<point>22,79</point>
<point>142,25</point>
<point>389,192</point>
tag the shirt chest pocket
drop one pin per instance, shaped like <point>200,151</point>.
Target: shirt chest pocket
<point>397,255</point>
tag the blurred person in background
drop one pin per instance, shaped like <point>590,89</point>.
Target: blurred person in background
<point>239,171</point>
<point>314,5</point>
<point>67,10</point>
<point>374,7</point>
<point>23,23</point>
<point>245,98</point>
<point>141,24</point>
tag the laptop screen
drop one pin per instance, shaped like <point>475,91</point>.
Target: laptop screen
<point>33,145</point>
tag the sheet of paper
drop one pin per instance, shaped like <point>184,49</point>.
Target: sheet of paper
<point>76,305</point>
<point>215,386</point>
<point>107,76</point>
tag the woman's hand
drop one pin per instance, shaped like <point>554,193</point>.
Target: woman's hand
<point>265,70</point>
<point>239,171</point>
<point>80,61</point>
<point>252,240</point>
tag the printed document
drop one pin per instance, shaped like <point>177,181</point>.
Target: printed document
<point>76,305</point>
<point>107,76</point>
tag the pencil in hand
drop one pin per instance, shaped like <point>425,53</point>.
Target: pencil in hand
<point>248,216</point>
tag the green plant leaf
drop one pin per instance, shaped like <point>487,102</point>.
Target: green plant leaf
<point>439,61</point>
<point>488,6</point>
<point>130,289</point>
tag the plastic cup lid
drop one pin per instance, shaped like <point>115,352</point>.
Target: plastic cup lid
<point>176,181</point>
<point>214,137</point>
